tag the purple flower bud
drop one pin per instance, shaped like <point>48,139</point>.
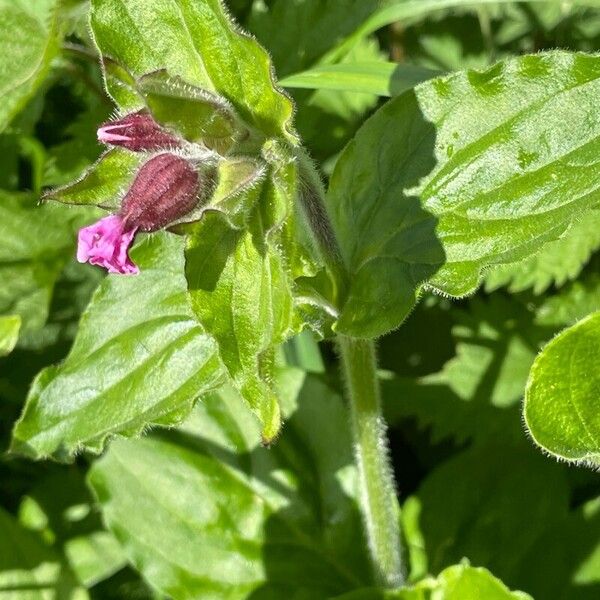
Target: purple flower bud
<point>137,131</point>
<point>164,190</point>
<point>105,244</point>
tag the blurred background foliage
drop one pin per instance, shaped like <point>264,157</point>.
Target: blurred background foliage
<point>453,377</point>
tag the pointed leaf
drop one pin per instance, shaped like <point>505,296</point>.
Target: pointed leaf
<point>139,359</point>
<point>556,263</point>
<point>195,113</point>
<point>241,291</point>
<point>196,41</point>
<point>447,193</point>
<point>381,78</point>
<point>104,184</point>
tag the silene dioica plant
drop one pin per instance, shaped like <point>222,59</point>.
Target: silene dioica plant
<point>215,407</point>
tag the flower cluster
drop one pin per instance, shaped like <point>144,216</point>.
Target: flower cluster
<point>165,189</point>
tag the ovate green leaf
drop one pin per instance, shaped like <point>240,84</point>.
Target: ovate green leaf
<point>232,519</point>
<point>467,171</point>
<point>562,403</point>
<point>28,42</point>
<point>196,41</point>
<point>139,358</point>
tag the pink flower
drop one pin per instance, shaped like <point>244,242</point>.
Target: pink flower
<point>164,190</point>
<point>106,244</point>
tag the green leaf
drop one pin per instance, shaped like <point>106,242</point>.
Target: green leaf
<point>128,368</point>
<point>232,519</point>
<point>565,562</point>
<point>556,263</point>
<point>380,78</point>
<point>298,32</point>
<point>194,112</point>
<point>103,184</point>
<point>241,290</point>
<point>409,10</point>
<point>35,244</point>
<point>61,510</point>
<point>475,395</point>
<point>449,192</point>
<point>196,41</point>
<point>481,500</point>
<point>28,42</point>
<point>329,118</point>
<point>29,569</point>
<point>459,582</point>
<point>9,333</point>
<point>574,303</point>
<point>562,403</point>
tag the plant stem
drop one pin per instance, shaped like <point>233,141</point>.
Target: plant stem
<point>378,502</point>
<point>377,490</point>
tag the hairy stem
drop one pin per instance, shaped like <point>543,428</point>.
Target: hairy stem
<point>311,196</point>
<point>378,502</point>
<point>377,490</point>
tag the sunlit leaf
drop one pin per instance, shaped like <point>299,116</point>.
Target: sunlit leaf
<point>470,170</point>
<point>9,333</point>
<point>380,78</point>
<point>241,290</point>
<point>139,359</point>
<point>556,263</point>
<point>562,403</point>
<point>196,41</point>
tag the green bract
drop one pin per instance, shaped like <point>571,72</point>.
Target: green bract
<point>467,171</point>
<point>562,401</point>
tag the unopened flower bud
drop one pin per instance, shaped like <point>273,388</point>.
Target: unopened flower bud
<point>137,132</point>
<point>164,190</point>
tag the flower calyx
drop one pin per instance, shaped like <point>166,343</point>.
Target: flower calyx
<point>137,132</point>
<point>165,189</point>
